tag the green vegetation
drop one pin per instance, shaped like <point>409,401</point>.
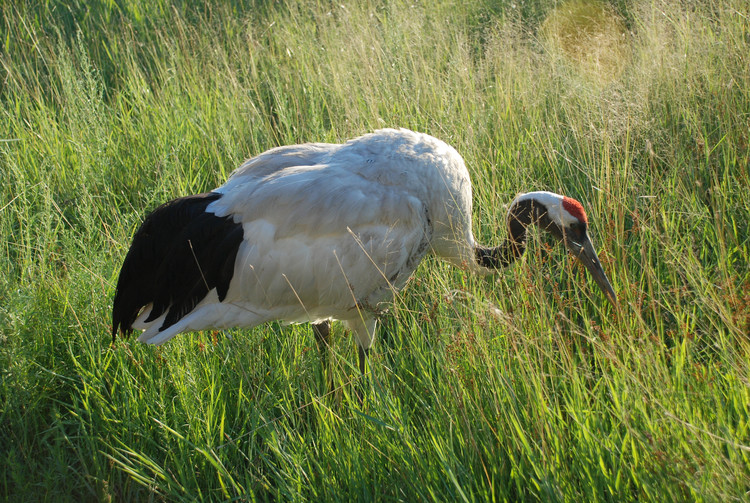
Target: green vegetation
<point>525,385</point>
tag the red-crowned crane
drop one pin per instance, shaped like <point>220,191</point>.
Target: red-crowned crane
<point>319,232</point>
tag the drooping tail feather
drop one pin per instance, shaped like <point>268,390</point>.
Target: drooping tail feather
<point>180,252</point>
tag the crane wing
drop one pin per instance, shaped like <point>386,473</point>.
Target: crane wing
<point>324,234</point>
<point>321,240</point>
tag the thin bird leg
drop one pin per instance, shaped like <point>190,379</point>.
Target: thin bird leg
<point>322,333</point>
<point>358,386</point>
<point>364,354</point>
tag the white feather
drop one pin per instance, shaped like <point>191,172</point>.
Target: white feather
<point>554,204</point>
<point>331,230</point>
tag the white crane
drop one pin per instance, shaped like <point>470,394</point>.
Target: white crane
<point>319,232</point>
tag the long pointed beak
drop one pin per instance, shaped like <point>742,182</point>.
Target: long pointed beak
<point>587,255</point>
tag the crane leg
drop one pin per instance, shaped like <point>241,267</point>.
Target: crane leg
<point>322,333</point>
<point>363,355</point>
<point>364,332</point>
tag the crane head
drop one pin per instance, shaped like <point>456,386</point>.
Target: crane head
<point>566,220</point>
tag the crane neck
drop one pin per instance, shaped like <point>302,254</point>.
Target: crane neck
<point>521,214</point>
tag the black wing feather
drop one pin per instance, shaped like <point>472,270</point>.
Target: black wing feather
<point>178,255</point>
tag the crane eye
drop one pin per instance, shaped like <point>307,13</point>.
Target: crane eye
<point>577,230</point>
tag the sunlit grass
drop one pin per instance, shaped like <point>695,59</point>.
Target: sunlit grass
<point>591,35</point>
<point>524,385</point>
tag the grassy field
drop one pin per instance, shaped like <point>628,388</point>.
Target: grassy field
<point>522,386</point>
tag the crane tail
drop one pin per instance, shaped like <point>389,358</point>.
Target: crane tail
<point>180,252</point>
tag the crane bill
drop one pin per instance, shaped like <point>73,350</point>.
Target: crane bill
<point>590,260</point>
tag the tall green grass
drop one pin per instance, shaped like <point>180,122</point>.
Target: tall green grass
<point>519,386</point>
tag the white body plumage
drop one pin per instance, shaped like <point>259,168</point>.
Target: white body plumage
<point>331,230</point>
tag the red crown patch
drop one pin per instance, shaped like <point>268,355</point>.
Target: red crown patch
<point>575,208</point>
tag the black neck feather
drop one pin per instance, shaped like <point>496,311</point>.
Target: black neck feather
<point>520,216</point>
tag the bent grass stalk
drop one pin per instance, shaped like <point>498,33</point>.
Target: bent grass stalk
<point>523,385</point>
